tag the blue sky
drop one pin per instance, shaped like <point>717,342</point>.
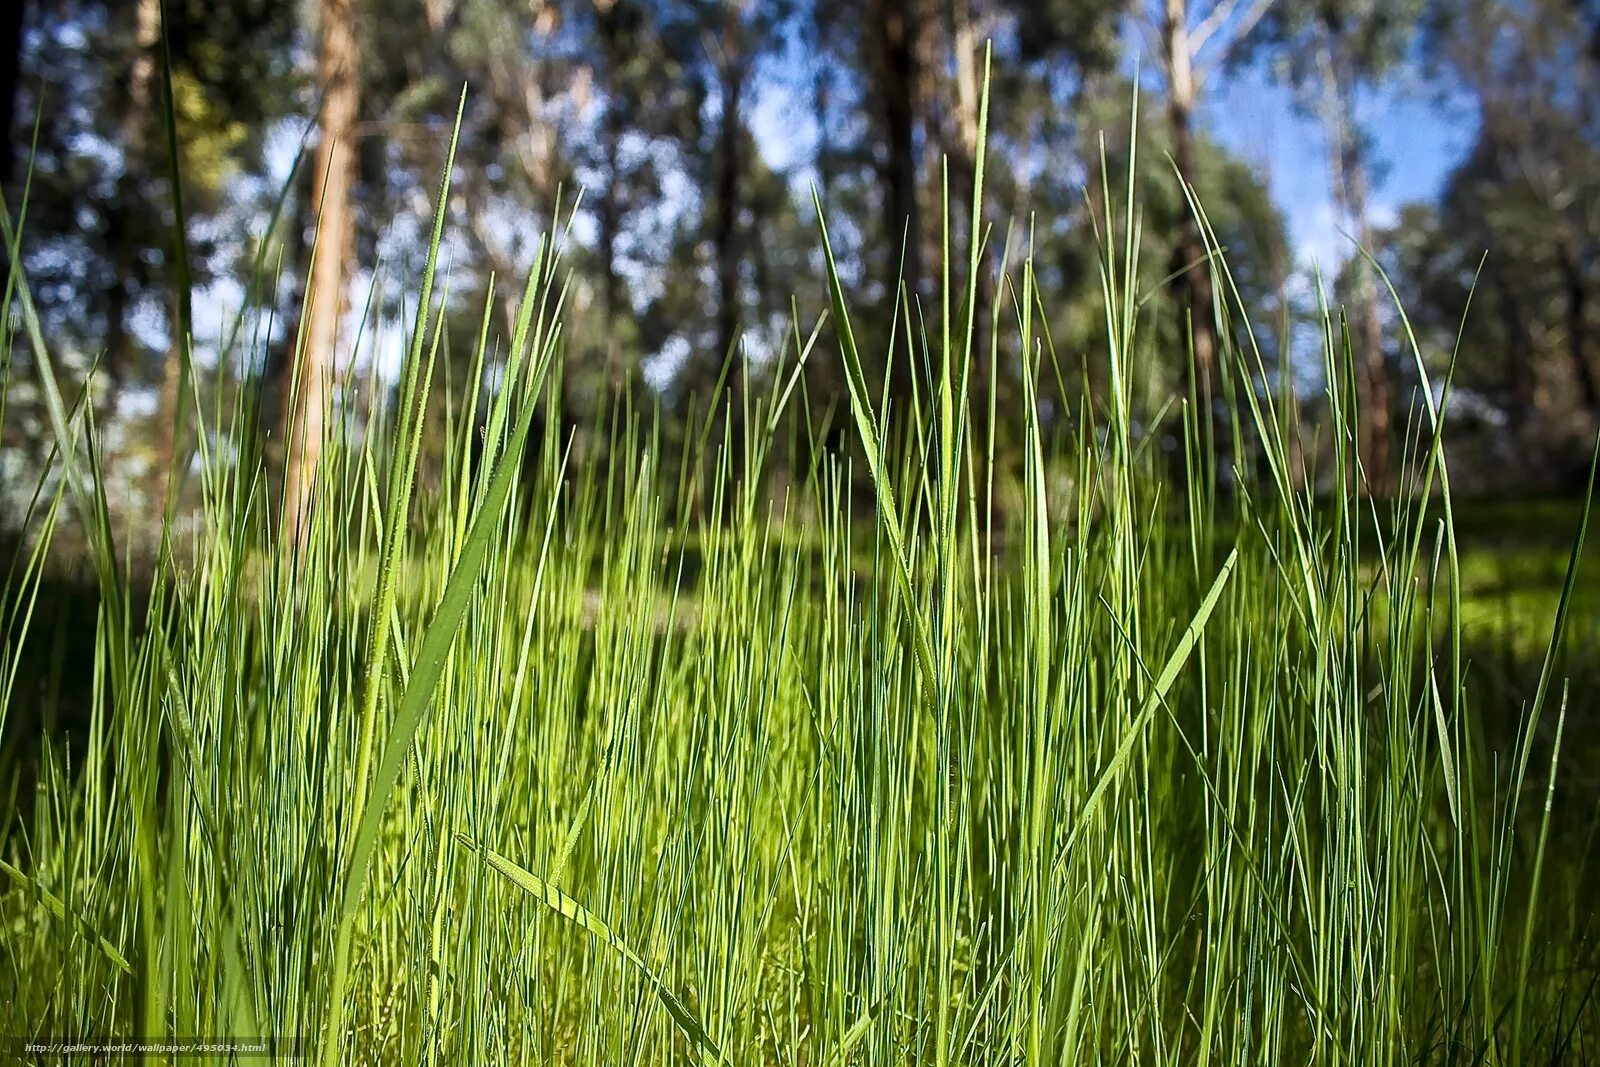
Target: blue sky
<point>1419,135</point>
<point>1420,132</point>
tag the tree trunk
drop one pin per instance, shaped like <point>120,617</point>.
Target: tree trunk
<point>1519,360</point>
<point>1577,301</point>
<point>10,70</point>
<point>164,440</point>
<point>612,128</point>
<point>1288,396</point>
<point>821,96</point>
<point>1192,288</point>
<point>332,181</point>
<point>133,132</point>
<point>964,162</point>
<point>897,71</point>
<point>1374,362</point>
<point>1350,188</point>
<point>165,443</point>
<point>724,235</point>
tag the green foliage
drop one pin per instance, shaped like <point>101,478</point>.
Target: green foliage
<point>99,225</point>
<point>1248,228</point>
<point>1086,29</point>
<point>1516,233</point>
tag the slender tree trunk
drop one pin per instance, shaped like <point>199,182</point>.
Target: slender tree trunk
<point>133,134</point>
<point>821,374</point>
<point>1577,301</point>
<point>611,216</point>
<point>725,231</point>
<point>821,96</point>
<point>11,20</point>
<point>1370,336</point>
<point>1289,397</point>
<point>1350,187</point>
<point>164,440</point>
<point>734,74</point>
<point>332,182</point>
<point>275,410</point>
<point>964,162</point>
<point>961,147</point>
<point>612,128</point>
<point>1519,363</point>
<point>1191,269</point>
<point>897,71</point>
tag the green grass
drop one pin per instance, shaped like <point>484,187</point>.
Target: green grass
<point>540,770</point>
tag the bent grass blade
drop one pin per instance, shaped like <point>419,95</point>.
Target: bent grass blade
<point>54,905</point>
<point>561,903</point>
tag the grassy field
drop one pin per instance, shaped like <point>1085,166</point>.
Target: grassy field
<point>1130,772</point>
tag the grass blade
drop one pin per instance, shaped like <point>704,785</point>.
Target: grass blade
<point>554,899</point>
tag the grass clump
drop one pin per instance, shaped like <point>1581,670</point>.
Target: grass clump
<point>1126,773</point>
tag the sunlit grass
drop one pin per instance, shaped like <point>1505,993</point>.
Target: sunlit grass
<point>572,766</point>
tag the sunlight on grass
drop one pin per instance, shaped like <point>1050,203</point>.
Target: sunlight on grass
<point>564,766</point>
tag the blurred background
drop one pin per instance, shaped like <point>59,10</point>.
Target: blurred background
<point>1457,140</point>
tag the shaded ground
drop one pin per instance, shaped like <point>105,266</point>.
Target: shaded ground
<point>1514,560</point>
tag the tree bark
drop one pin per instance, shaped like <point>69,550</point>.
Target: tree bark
<point>724,235</point>
<point>1577,307</point>
<point>821,96</point>
<point>11,19</point>
<point>1374,362</point>
<point>1190,266</point>
<point>964,162</point>
<point>164,440</point>
<point>612,128</point>
<point>332,181</point>
<point>133,133</point>
<point>1350,188</point>
<point>896,27</point>
<point>1519,383</point>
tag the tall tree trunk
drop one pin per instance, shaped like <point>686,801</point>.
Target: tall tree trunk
<point>133,134</point>
<point>1577,307</point>
<point>724,235</point>
<point>338,68</point>
<point>734,74</point>
<point>896,25</point>
<point>821,95</point>
<point>1519,359</point>
<point>164,440</point>
<point>1350,188</point>
<point>165,444</point>
<point>11,19</point>
<point>1288,396</point>
<point>1190,267</point>
<point>964,162</point>
<point>1370,336</point>
<point>612,128</point>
